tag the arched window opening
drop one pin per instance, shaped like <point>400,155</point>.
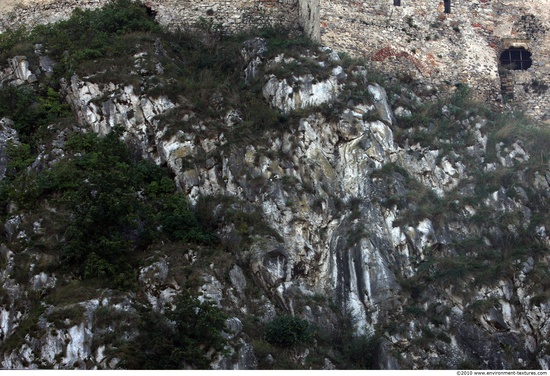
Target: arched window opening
<point>516,58</point>
<point>447,4</point>
<point>397,3</point>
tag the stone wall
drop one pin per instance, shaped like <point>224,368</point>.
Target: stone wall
<point>526,24</point>
<point>419,40</point>
<point>29,13</point>
<point>230,16</point>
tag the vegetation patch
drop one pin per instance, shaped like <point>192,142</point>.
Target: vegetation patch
<point>66,317</point>
<point>288,331</point>
<point>190,335</point>
<point>115,207</point>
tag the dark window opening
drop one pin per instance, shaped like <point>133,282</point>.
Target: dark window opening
<point>397,3</point>
<point>447,4</point>
<point>516,58</point>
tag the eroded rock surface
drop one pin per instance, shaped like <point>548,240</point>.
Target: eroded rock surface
<point>336,192</point>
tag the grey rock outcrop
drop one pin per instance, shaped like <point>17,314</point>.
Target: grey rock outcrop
<point>335,193</point>
<point>303,91</point>
<point>21,71</point>
<point>253,53</point>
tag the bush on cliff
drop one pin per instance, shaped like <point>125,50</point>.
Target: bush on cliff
<point>111,205</point>
<point>190,337</point>
<point>92,34</point>
<point>288,331</point>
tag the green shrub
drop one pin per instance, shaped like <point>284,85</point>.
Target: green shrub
<point>98,185</point>
<point>53,106</point>
<point>67,317</point>
<point>28,325</point>
<point>21,105</point>
<point>360,352</point>
<point>288,331</point>
<point>415,311</point>
<point>349,348</point>
<point>179,221</point>
<point>92,34</point>
<point>216,212</point>
<point>31,111</point>
<point>19,158</point>
<point>9,39</point>
<point>191,337</point>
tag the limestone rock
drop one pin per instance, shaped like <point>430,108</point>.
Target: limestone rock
<point>253,53</point>
<point>381,103</point>
<point>20,66</point>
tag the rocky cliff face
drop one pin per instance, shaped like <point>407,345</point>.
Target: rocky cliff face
<point>424,223</point>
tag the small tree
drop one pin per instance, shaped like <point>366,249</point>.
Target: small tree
<point>187,336</point>
<point>288,331</point>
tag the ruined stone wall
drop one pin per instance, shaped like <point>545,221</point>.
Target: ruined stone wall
<point>419,40</point>
<point>230,16</point>
<point>526,24</point>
